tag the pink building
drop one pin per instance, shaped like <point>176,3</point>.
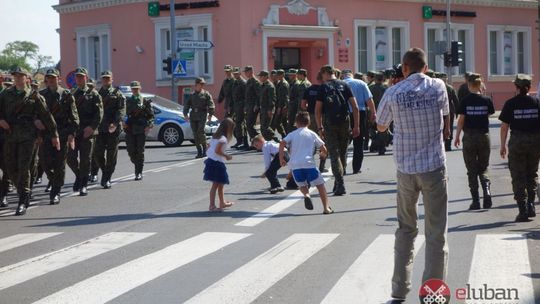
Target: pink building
<point>499,37</point>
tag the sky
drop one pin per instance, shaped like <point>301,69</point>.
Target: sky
<point>39,25</point>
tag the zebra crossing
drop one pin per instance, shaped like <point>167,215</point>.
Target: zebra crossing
<point>498,260</point>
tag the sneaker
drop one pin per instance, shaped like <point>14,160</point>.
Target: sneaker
<point>273,190</point>
<point>308,203</point>
<point>280,189</point>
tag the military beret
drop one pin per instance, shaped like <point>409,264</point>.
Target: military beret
<point>135,84</point>
<point>227,68</point>
<point>302,72</point>
<point>52,72</point>
<point>19,70</point>
<point>273,72</point>
<point>199,80</point>
<point>263,73</point>
<point>371,73</point>
<point>292,71</point>
<point>106,73</point>
<point>346,71</point>
<point>280,72</point>
<point>248,68</point>
<point>236,70</point>
<point>523,80</point>
<point>327,69</point>
<point>81,71</point>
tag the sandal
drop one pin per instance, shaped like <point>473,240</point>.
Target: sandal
<point>308,203</point>
<point>329,212</point>
<point>226,205</point>
<point>215,209</point>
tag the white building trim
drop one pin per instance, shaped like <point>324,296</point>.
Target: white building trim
<point>296,32</point>
<point>103,31</point>
<point>527,48</point>
<point>532,4</point>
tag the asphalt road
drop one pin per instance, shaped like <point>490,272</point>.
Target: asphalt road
<point>155,242</point>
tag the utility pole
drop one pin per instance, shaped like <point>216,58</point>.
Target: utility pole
<point>174,91</point>
<point>449,40</point>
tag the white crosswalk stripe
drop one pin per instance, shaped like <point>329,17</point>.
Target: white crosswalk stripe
<point>108,285</point>
<point>368,280</point>
<point>501,261</point>
<point>22,239</point>
<point>251,280</point>
<point>17,273</point>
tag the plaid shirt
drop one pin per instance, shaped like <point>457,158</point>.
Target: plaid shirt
<point>417,106</point>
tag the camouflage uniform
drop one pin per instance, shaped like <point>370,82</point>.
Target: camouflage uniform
<point>268,103</point>
<point>140,116</point>
<point>90,109</point>
<point>297,93</point>
<point>201,105</point>
<point>253,88</point>
<point>61,105</point>
<point>114,106</point>
<point>379,139</point>
<point>282,101</point>
<point>225,93</point>
<point>239,105</point>
<point>20,109</point>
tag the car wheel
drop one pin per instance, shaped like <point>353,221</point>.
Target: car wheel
<point>172,135</point>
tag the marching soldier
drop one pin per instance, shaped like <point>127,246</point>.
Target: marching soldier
<point>90,110</point>
<point>454,101</point>
<point>61,105</point>
<point>21,111</point>
<point>107,140</point>
<point>3,178</point>
<point>202,108</point>
<point>298,87</point>
<point>253,87</point>
<point>239,105</point>
<point>273,77</point>
<point>268,103</point>
<point>225,93</point>
<point>520,114</point>
<point>139,122</point>
<point>370,77</point>
<point>282,101</point>
<point>378,140</point>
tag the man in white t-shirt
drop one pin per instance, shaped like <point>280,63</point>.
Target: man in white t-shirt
<point>301,144</point>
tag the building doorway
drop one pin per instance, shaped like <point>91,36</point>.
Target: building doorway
<point>287,58</point>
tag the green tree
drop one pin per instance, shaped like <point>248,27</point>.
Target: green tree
<point>22,53</point>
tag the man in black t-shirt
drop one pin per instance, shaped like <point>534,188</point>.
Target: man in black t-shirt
<point>520,114</point>
<point>308,104</point>
<point>334,100</point>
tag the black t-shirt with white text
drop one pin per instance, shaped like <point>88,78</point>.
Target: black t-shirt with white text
<point>521,113</point>
<point>310,95</point>
<point>477,109</point>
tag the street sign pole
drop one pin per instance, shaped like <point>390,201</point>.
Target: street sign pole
<point>174,91</point>
<point>448,40</point>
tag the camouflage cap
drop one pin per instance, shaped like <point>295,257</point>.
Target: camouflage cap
<point>430,73</point>
<point>302,72</point>
<point>263,73</point>
<point>81,71</point>
<point>379,76</point>
<point>236,70</point>
<point>273,72</point>
<point>34,83</point>
<point>199,80</point>
<point>327,69</point>
<point>280,72</point>
<point>292,71</point>
<point>52,72</point>
<point>347,71</point>
<point>441,75</point>
<point>473,77</point>
<point>523,80</point>
<point>227,68</point>
<point>371,73</point>
<point>19,70</point>
<point>248,68</point>
<point>135,84</point>
<point>106,73</point>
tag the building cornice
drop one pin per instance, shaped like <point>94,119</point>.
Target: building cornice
<point>86,5</point>
<point>531,4</point>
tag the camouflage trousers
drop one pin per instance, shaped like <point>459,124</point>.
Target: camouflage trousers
<point>523,157</point>
<point>4,180</point>
<point>266,129</point>
<point>199,137</point>
<point>279,122</point>
<point>79,159</point>
<point>291,117</point>
<point>476,151</point>
<point>251,121</point>
<point>135,148</point>
<point>106,151</point>
<point>54,162</point>
<point>240,122</point>
<point>337,140</point>
<point>19,161</point>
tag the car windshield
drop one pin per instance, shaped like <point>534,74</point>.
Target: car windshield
<point>166,103</point>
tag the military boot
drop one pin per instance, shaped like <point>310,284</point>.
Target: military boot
<point>238,143</point>
<point>199,151</point>
<point>77,185</point>
<point>475,205</point>
<point>106,180</point>
<point>531,209</point>
<point>245,146</point>
<point>48,188</point>
<point>3,199</point>
<point>54,196</point>
<point>486,188</point>
<point>24,202</point>
<point>84,186</point>
<point>138,172</point>
<point>522,215</point>
<point>322,165</point>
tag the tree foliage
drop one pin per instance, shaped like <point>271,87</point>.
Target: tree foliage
<point>23,53</point>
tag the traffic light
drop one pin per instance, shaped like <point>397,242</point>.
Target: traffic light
<point>167,65</point>
<point>447,59</point>
<point>457,53</point>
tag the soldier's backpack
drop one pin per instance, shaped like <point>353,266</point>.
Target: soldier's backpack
<point>335,107</point>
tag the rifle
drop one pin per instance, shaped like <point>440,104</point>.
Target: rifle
<point>56,107</point>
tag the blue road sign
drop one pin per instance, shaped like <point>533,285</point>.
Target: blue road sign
<point>179,68</point>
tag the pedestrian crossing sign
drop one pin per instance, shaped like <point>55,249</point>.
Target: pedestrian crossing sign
<point>180,68</point>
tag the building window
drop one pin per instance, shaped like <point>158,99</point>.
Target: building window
<point>380,44</point>
<point>463,33</point>
<point>509,50</point>
<point>93,49</point>
<point>198,61</point>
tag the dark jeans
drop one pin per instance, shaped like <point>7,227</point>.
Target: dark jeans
<point>358,143</point>
<point>271,173</point>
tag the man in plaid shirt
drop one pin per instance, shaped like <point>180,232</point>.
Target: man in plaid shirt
<point>419,108</point>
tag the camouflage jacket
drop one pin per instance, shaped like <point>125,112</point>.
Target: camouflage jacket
<point>62,106</point>
<point>139,114</point>
<point>114,108</point>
